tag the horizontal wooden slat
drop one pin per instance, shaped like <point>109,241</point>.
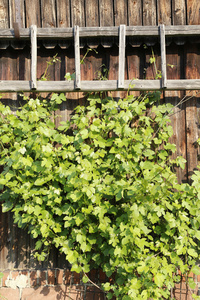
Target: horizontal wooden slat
<point>64,33</point>
<point>93,86</point>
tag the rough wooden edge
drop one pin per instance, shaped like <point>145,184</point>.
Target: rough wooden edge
<point>77,82</point>
<point>33,30</point>
<point>94,86</point>
<point>67,33</point>
<point>122,46</point>
<point>163,56</point>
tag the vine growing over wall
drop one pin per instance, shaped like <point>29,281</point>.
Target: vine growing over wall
<point>102,189</point>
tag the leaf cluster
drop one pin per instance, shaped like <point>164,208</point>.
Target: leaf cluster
<point>102,188</point>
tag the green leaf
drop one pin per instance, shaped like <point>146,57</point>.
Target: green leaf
<point>191,283</point>
<point>196,270</point>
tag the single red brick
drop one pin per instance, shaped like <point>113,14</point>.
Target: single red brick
<point>59,276</point>
<point>5,277</point>
<point>76,278</point>
<point>33,278</point>
<point>102,276</point>
<point>93,275</point>
<point>51,277</point>
<point>67,277</point>
<point>42,278</point>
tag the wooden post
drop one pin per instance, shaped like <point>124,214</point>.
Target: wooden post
<point>77,58</point>
<point>33,57</point>
<point>122,45</point>
<point>163,56</point>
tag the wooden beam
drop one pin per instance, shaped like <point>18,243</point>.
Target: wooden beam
<point>122,46</point>
<point>77,82</point>
<point>163,56</point>
<point>34,57</point>
<point>68,33</point>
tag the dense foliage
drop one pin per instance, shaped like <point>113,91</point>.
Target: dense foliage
<point>102,189</point>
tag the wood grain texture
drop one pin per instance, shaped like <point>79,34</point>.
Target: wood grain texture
<point>164,13</point>
<point>122,48</point>
<point>106,13</point>
<point>78,13</point>
<point>14,12</point>
<point>178,114</point>
<point>149,12</point>
<point>120,12</point>
<point>4,20</point>
<point>193,12</point>
<point>178,12</point>
<point>48,16</point>
<point>192,71</point>
<point>163,56</point>
<point>33,56</point>
<point>134,12</point>
<point>92,13</point>
<point>33,16</point>
<point>63,13</point>
<point>48,13</point>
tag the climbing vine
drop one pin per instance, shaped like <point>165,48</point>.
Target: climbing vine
<point>102,189</point>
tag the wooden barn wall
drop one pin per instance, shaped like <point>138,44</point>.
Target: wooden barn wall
<point>183,59</point>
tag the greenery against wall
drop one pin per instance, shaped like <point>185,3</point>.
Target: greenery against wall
<point>102,189</point>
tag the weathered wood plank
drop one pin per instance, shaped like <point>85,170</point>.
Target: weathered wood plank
<point>67,33</point>
<point>17,15</point>
<point>174,60</point>
<point>163,56</point>
<point>164,13</point>
<point>63,13</point>
<point>48,15</point>
<point>178,12</point>
<point>4,20</point>
<point>94,86</point>
<point>34,57</point>
<point>193,12</point>
<point>106,13</point>
<point>33,16</point>
<point>77,58</point>
<point>122,47</point>
<point>92,13</point>
<point>134,12</point>
<point>120,12</point>
<point>63,19</point>
<point>149,12</point>
<point>192,71</point>
<point>78,13</point>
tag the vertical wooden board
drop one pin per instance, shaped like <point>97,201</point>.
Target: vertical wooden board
<point>13,14</point>
<point>113,62</point>
<point>120,12</point>
<point>174,62</point>
<point>133,65</point>
<point>106,18</point>
<point>192,62</point>
<point>178,12</point>
<point>63,13</point>
<point>134,12</point>
<point>192,72</point>
<point>149,12</point>
<point>193,12</point>
<point>164,13</point>
<point>33,16</point>
<point>4,240</point>
<point>106,13</point>
<point>48,12</point>
<point>63,19</point>
<point>92,13</point>
<point>17,14</point>
<point>4,20</point>
<point>48,15</point>
<point>78,13</point>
